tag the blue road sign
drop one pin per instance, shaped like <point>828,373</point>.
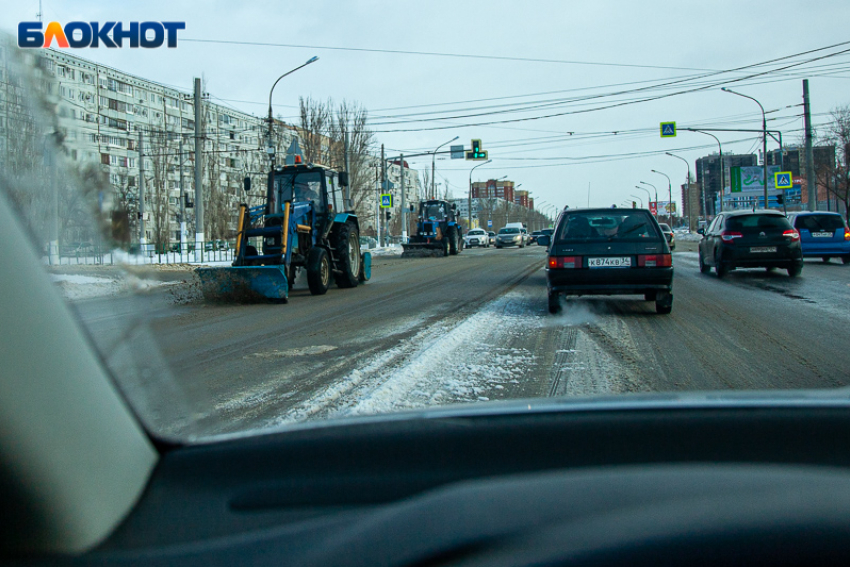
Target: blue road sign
<point>386,201</point>
<point>783,180</point>
<point>489,224</point>
<point>668,129</point>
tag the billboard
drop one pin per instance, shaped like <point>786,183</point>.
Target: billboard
<point>662,208</point>
<point>750,179</point>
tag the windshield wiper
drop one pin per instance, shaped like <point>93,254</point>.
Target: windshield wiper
<point>634,228</point>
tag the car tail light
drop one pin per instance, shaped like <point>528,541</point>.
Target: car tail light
<point>792,234</point>
<point>728,236</point>
<point>847,234</point>
<point>655,260</point>
<point>565,262</point>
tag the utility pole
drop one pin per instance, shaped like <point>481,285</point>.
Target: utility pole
<point>347,192</point>
<point>199,192</point>
<point>811,181</point>
<point>142,237</point>
<point>383,184</point>
<point>403,204</point>
<point>378,205</point>
<point>182,198</point>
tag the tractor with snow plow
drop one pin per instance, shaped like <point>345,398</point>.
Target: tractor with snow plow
<point>305,224</point>
<point>437,231</point>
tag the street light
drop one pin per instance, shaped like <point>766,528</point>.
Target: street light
<point>433,159</point>
<point>764,137</point>
<point>670,194</point>
<point>656,194</point>
<point>270,146</point>
<point>722,172</point>
<point>648,197</point>
<point>469,199</point>
<point>688,190</point>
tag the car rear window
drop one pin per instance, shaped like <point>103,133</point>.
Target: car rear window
<point>757,223</point>
<point>607,225</point>
<point>819,223</point>
<point>509,231</point>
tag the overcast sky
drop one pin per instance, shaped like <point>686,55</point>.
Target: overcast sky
<point>591,49</point>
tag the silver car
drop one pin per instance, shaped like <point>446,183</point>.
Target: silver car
<point>510,237</point>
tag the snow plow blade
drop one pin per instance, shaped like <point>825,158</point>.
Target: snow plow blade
<point>422,250</point>
<point>244,283</point>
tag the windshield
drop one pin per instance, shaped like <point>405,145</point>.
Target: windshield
<point>434,211</point>
<point>607,225</point>
<point>300,186</point>
<point>819,223</point>
<point>156,214</point>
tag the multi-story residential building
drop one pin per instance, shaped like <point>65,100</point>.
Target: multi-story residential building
<point>493,189</point>
<point>107,117</point>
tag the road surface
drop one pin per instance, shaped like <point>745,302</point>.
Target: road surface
<point>467,328</point>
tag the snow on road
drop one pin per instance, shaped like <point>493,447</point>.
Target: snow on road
<point>476,358</point>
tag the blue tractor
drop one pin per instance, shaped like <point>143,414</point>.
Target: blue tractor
<point>437,231</point>
<point>305,224</point>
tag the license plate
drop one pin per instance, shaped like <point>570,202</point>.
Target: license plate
<point>609,262</point>
<point>763,249</point>
<point>822,234</point>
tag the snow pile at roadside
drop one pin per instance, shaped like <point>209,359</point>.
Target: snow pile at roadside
<point>75,287</point>
<point>387,251</point>
<point>690,237</point>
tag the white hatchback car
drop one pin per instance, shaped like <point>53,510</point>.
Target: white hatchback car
<point>476,237</point>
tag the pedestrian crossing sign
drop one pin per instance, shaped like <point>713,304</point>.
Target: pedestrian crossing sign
<point>668,129</point>
<point>386,201</point>
<point>783,180</point>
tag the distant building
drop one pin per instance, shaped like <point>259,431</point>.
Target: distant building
<point>708,176</point>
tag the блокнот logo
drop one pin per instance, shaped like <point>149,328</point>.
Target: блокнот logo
<point>94,34</point>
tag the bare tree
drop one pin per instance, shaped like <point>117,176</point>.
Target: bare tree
<point>836,176</point>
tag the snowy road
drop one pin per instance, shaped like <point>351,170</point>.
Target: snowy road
<point>469,329</point>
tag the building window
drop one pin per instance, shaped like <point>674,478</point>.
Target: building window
<point>104,159</point>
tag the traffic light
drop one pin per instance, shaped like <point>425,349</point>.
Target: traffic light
<point>634,204</point>
<point>780,199</point>
<point>477,153</point>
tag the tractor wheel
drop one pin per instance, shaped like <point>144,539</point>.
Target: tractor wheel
<point>318,271</point>
<point>454,248</point>
<point>347,248</point>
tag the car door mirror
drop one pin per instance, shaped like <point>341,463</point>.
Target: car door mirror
<point>702,230</point>
<point>543,240</point>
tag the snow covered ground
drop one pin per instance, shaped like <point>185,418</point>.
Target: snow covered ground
<point>76,287</point>
<point>506,345</point>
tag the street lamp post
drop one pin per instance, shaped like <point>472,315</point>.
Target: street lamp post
<point>638,198</point>
<point>469,199</point>
<point>654,188</point>
<point>764,137</point>
<point>269,142</point>
<point>648,197</point>
<point>688,191</point>
<point>669,195</point>
<point>722,172</point>
<point>433,167</point>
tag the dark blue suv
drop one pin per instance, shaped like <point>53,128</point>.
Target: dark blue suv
<point>822,234</point>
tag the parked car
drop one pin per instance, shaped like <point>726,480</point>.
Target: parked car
<point>476,237</point>
<point>609,252</point>
<point>492,236</point>
<point>823,235</point>
<point>750,239</point>
<point>668,234</point>
<point>510,236</point>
